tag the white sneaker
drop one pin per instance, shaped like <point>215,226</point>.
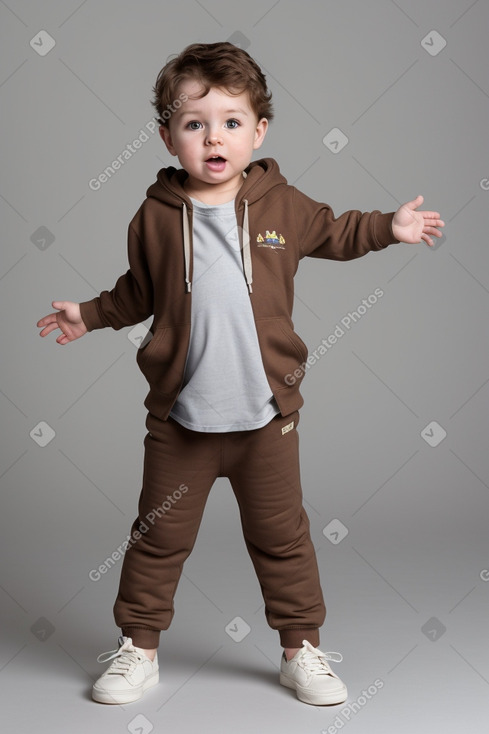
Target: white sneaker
<point>128,677</point>
<point>310,675</point>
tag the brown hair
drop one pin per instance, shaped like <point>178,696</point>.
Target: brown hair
<point>213,65</point>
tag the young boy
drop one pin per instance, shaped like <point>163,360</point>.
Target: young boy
<point>213,251</point>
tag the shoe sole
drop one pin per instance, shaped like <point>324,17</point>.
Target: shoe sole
<point>101,695</point>
<point>316,699</point>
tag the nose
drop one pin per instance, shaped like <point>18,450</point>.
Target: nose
<point>213,137</point>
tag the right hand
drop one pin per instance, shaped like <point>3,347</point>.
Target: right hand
<point>68,320</point>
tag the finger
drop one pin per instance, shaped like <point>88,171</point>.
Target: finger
<point>46,319</point>
<point>432,230</point>
<point>60,305</point>
<point>415,202</point>
<point>432,223</point>
<point>51,327</point>
<point>434,218</point>
<point>427,239</point>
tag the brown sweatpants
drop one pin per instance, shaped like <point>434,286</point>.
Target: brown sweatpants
<point>180,467</point>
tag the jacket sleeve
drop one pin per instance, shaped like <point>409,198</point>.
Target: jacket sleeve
<point>351,235</point>
<point>131,299</point>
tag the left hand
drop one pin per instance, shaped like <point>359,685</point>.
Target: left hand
<point>411,226</point>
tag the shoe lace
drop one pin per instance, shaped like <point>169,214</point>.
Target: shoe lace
<point>316,662</point>
<point>125,659</point>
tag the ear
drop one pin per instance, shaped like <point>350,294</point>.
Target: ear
<point>166,137</point>
<point>260,132</point>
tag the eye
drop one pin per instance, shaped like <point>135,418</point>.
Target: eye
<point>235,124</point>
<point>193,122</point>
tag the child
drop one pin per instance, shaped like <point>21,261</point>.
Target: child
<point>212,253</point>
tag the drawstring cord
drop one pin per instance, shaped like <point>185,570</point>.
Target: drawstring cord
<point>186,248</point>
<point>247,248</point>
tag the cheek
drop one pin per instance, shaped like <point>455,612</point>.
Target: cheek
<point>190,141</point>
<point>245,141</point>
<point>184,144</point>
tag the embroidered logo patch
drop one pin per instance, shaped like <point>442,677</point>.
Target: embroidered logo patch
<point>287,428</point>
<point>271,240</point>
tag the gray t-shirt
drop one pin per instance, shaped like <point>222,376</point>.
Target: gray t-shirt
<point>225,387</point>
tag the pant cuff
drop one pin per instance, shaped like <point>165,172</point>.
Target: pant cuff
<point>142,636</point>
<point>294,637</point>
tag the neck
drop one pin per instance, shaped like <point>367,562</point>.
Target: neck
<point>212,195</point>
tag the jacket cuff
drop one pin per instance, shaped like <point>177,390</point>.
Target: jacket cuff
<point>383,230</point>
<point>90,314</point>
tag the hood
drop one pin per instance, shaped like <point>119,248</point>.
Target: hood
<point>260,177</point>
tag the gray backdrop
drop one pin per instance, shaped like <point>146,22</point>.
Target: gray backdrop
<point>394,427</point>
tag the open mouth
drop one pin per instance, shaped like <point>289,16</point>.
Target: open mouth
<point>216,163</point>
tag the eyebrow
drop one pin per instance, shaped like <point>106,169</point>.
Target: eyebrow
<point>226,112</point>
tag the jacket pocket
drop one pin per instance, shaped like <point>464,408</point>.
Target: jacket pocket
<point>162,360</point>
<point>283,351</point>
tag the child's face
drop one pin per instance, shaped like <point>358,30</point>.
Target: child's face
<point>218,124</point>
